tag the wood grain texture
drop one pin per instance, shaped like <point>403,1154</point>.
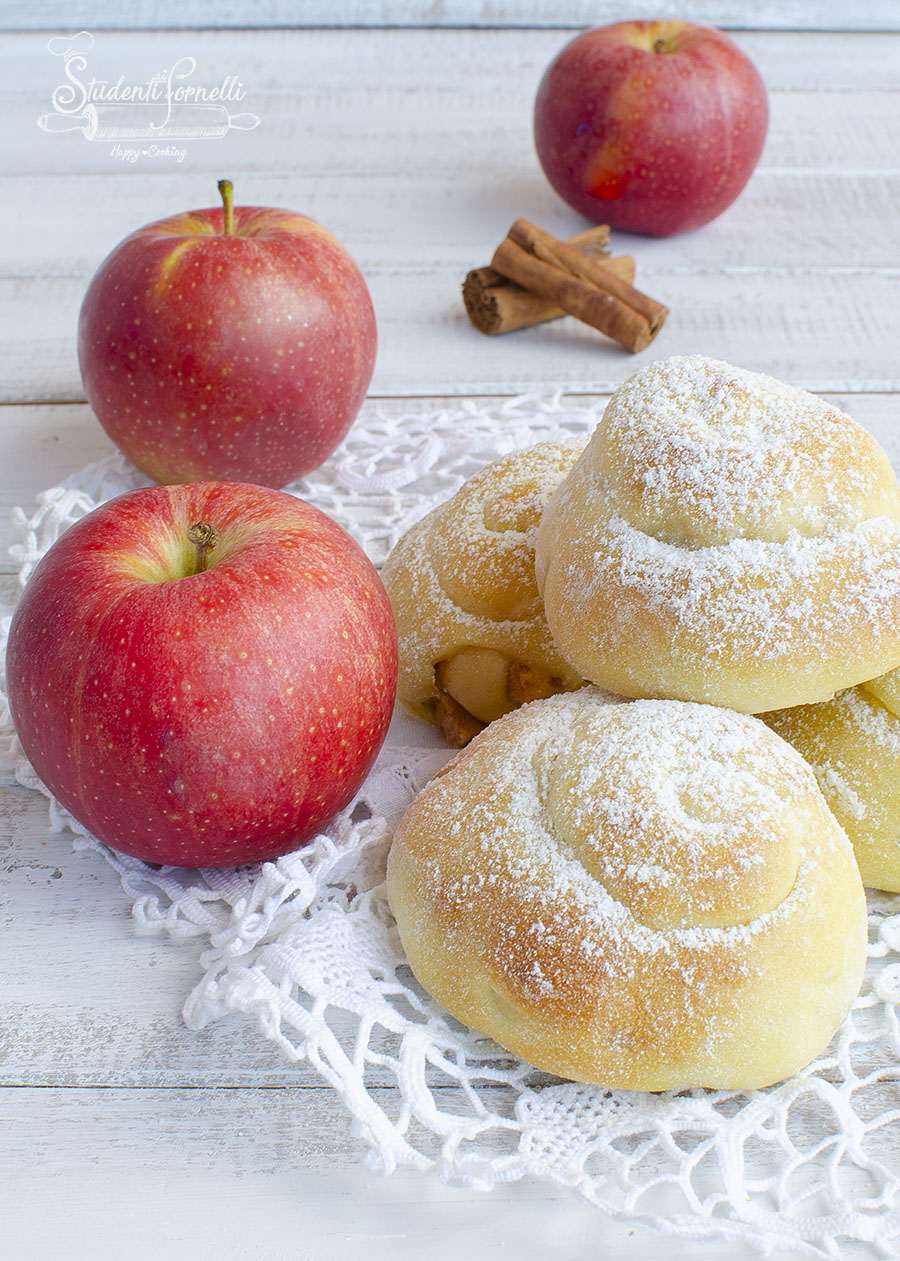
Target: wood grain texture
<point>823,330</point>
<point>319,75</point>
<point>324,106</point>
<point>141,14</point>
<point>800,271</point>
<point>158,1172</point>
<point>102,1005</point>
<point>844,223</point>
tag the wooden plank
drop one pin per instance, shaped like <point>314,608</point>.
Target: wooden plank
<point>834,264</point>
<point>437,197</point>
<point>486,140</point>
<point>39,448</point>
<point>460,64</point>
<point>242,1175</point>
<point>85,1000</point>
<point>784,220</point>
<point>836,331</point>
<point>324,106</point>
<point>141,14</point>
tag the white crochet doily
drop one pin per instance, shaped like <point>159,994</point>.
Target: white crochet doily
<point>306,945</point>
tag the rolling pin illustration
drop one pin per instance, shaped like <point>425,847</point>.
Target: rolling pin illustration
<point>150,121</point>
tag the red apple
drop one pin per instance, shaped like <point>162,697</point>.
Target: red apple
<point>203,716</point>
<point>651,127</point>
<point>231,344</point>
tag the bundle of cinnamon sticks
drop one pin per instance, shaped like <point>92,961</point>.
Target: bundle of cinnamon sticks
<point>533,277</point>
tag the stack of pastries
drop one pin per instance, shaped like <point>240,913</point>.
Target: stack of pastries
<point>631,880</point>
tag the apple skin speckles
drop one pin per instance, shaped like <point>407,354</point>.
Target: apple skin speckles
<point>189,354</point>
<point>176,714</point>
<point>651,127</point>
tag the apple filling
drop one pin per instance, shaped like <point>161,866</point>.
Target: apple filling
<point>477,679</point>
<point>477,685</point>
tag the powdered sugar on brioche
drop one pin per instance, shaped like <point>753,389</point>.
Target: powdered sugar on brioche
<point>853,745</point>
<point>464,575</point>
<point>725,538</point>
<point>761,590</point>
<point>678,807</point>
<point>698,452</point>
<point>635,873</point>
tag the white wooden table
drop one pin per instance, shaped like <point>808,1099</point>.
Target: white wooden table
<point>121,1133</point>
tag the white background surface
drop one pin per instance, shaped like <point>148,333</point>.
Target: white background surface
<point>120,1132</point>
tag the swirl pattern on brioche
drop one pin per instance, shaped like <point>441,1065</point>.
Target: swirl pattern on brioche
<point>724,538</point>
<point>647,895</point>
<point>852,743</point>
<point>473,639</point>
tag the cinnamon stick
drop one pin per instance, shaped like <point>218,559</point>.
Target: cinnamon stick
<point>581,286</point>
<point>498,305</point>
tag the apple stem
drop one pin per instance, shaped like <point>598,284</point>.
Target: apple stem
<point>204,538</point>
<point>226,191</point>
<point>660,46</point>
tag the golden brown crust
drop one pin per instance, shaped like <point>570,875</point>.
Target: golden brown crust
<point>644,895</point>
<point>852,743</point>
<point>457,724</point>
<point>469,618</point>
<point>724,538</point>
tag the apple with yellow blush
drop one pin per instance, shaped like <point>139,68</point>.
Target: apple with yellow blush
<point>203,674</point>
<point>228,344</point>
<point>651,127</point>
